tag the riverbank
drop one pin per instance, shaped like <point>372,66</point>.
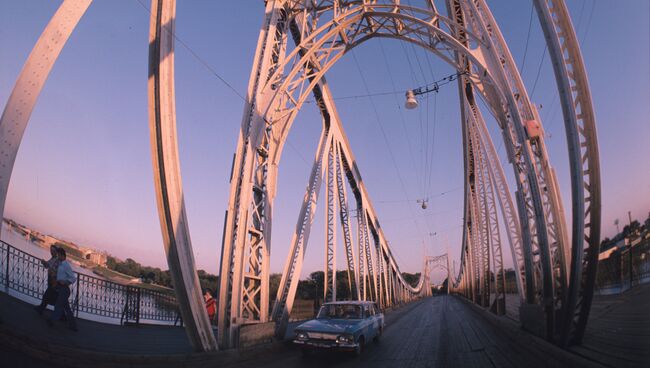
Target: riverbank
<point>38,245</point>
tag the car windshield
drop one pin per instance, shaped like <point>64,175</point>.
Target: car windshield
<point>339,311</point>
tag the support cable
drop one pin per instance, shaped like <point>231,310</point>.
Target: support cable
<point>198,58</point>
<point>530,24</point>
<point>383,133</point>
<point>399,108</point>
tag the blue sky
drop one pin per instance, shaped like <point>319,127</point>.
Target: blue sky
<point>84,173</point>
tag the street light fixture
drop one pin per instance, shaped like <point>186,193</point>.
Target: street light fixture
<point>412,102</point>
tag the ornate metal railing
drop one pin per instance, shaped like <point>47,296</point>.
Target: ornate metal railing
<point>624,269</point>
<point>91,296</point>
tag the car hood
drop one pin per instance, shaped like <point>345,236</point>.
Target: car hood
<point>330,325</point>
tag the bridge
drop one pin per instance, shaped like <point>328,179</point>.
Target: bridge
<point>479,321</point>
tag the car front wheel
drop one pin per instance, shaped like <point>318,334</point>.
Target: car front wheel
<point>360,346</point>
<point>379,333</point>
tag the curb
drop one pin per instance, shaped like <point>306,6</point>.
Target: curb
<point>514,332</point>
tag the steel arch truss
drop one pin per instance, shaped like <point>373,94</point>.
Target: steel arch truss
<point>431,263</point>
<point>470,41</point>
<point>554,276</point>
<point>166,167</point>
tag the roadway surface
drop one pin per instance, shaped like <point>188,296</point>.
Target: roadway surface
<point>442,331</point>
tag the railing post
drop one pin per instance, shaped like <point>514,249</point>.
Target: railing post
<point>7,268</point>
<point>125,310</point>
<point>137,315</point>
<point>631,266</point>
<point>76,307</point>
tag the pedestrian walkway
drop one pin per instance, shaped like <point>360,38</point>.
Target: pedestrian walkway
<point>618,332</point>
<point>442,329</point>
<point>22,322</point>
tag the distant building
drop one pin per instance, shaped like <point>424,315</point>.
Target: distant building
<point>95,257</point>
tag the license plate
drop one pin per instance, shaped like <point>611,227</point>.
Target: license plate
<point>321,345</point>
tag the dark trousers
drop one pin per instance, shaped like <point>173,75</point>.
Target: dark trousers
<point>62,306</point>
<point>49,297</point>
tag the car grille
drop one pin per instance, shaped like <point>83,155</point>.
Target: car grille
<point>321,336</point>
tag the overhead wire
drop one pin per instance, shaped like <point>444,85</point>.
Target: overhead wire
<point>385,136</point>
<point>541,62</point>
<point>198,58</point>
<point>417,82</point>
<point>433,133</point>
<point>539,71</point>
<point>411,200</point>
<point>553,107</point>
<point>530,25</point>
<point>399,108</point>
<point>425,136</point>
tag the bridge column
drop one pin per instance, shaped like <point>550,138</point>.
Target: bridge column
<point>167,177</point>
<point>30,83</point>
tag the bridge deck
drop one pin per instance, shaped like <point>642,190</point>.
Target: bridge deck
<point>21,319</point>
<point>438,331</point>
<point>444,331</point>
<point>618,333</point>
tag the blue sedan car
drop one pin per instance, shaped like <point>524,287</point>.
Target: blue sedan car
<point>345,326</point>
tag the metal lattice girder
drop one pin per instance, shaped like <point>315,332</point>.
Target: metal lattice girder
<point>481,221</point>
<point>345,225</point>
<point>553,209</point>
<point>328,29</point>
<point>289,281</point>
<point>530,161</point>
<point>436,262</point>
<point>490,218</point>
<point>293,266</point>
<point>500,185</point>
<point>29,85</point>
<point>361,240</point>
<point>580,126</point>
<point>517,146</point>
<point>368,279</point>
<point>167,177</point>
<point>329,283</point>
<point>243,293</point>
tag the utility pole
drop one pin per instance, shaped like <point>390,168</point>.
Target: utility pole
<point>629,218</point>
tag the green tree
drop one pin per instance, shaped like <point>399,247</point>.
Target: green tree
<point>411,278</point>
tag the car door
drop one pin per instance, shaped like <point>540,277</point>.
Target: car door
<point>373,327</point>
<point>376,320</point>
<point>367,323</point>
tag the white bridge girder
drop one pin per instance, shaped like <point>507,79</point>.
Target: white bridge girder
<point>539,243</point>
<point>18,110</point>
<point>548,275</point>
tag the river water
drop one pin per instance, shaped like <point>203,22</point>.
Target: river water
<point>114,302</point>
<point>17,240</point>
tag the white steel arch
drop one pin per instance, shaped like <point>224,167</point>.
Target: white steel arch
<point>550,278</point>
<point>347,24</point>
<point>18,109</point>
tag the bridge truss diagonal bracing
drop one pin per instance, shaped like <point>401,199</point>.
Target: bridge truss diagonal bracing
<point>469,39</point>
<point>299,41</point>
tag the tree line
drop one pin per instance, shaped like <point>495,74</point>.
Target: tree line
<point>310,288</point>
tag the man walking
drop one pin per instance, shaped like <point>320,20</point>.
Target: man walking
<point>49,297</point>
<point>64,278</point>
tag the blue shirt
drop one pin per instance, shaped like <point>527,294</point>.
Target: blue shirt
<point>65,273</point>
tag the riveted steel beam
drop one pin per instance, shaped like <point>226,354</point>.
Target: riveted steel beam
<point>167,177</point>
<point>30,83</point>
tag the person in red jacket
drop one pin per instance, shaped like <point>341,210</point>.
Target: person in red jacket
<point>210,305</point>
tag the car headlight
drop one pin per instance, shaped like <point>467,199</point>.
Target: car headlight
<point>345,339</point>
<point>301,336</point>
